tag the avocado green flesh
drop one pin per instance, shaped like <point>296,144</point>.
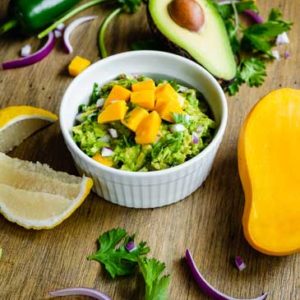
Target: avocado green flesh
<point>209,46</point>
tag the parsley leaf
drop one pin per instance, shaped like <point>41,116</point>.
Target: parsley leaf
<point>156,284</point>
<point>251,71</point>
<point>260,37</point>
<point>117,261</point>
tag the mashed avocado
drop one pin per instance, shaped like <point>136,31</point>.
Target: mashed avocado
<point>176,142</point>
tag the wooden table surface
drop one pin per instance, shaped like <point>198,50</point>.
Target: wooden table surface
<point>208,222</point>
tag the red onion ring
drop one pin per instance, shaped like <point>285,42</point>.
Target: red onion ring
<point>208,289</point>
<point>70,28</point>
<point>33,58</point>
<point>80,292</point>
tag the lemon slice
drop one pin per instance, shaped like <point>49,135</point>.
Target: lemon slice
<point>35,196</point>
<point>19,122</point>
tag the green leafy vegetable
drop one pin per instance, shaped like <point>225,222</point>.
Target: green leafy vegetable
<point>251,71</point>
<point>252,44</point>
<point>156,284</point>
<point>116,260</point>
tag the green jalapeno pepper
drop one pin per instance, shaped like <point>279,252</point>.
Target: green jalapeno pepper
<point>33,15</point>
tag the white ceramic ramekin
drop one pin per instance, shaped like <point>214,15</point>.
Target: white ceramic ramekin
<point>145,189</point>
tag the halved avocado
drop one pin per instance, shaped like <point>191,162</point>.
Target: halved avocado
<point>209,46</point>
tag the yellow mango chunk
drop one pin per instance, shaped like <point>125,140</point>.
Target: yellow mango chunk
<point>134,118</point>
<point>148,129</point>
<point>77,65</point>
<point>103,160</point>
<point>148,84</point>
<point>117,93</point>
<point>113,112</point>
<point>165,91</point>
<point>167,109</point>
<point>145,99</point>
<point>164,100</point>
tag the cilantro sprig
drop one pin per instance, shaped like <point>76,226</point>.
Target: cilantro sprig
<point>118,261</point>
<point>156,283</point>
<point>252,45</point>
<point>113,255</point>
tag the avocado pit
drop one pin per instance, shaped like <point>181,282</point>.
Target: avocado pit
<point>187,14</point>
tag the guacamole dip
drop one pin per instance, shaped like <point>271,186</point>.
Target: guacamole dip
<point>136,123</point>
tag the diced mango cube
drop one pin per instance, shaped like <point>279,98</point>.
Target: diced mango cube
<point>165,91</point>
<point>134,118</point>
<point>117,93</point>
<point>107,161</point>
<point>113,112</point>
<point>145,99</point>
<point>77,65</point>
<point>163,100</point>
<point>148,84</point>
<point>148,129</point>
<point>167,109</point>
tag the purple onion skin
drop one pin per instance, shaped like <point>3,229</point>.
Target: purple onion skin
<point>205,286</point>
<point>93,293</point>
<point>254,16</point>
<point>33,58</point>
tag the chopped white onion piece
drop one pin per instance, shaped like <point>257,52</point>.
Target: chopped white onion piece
<point>26,50</point>
<point>106,152</point>
<point>181,100</point>
<point>105,138</point>
<point>113,132</point>
<point>199,129</point>
<point>60,26</point>
<point>177,128</point>
<point>182,89</point>
<point>100,102</point>
<point>187,118</point>
<point>282,39</point>
<point>57,33</point>
<point>79,117</point>
<point>276,54</point>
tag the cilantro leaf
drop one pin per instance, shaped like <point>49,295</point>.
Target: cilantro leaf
<point>117,261</point>
<point>130,6</point>
<point>156,284</point>
<point>251,71</point>
<point>261,37</point>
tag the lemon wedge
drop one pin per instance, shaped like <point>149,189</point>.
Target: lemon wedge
<point>19,122</point>
<point>35,196</point>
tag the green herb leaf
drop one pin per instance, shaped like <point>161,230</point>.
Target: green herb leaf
<point>251,71</point>
<point>156,284</point>
<point>130,6</point>
<point>117,261</point>
<point>261,37</point>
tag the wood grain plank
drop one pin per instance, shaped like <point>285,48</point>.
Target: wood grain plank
<point>208,222</point>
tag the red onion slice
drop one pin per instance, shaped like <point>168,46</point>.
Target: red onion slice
<point>130,246</point>
<point>33,58</point>
<point>255,17</point>
<point>80,292</point>
<point>69,29</point>
<point>208,289</point>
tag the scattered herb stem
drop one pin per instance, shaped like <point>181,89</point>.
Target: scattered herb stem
<point>103,27</point>
<point>70,14</point>
<point>8,26</point>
